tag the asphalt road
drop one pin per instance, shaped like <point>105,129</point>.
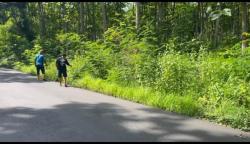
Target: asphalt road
<point>32,110</point>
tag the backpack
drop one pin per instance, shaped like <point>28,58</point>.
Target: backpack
<point>61,62</point>
<point>39,59</point>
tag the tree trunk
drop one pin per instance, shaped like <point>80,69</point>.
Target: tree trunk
<point>41,21</point>
<point>244,24</point>
<point>197,20</point>
<point>232,20</point>
<point>93,21</point>
<point>216,33</point>
<point>81,5</point>
<point>80,17</point>
<point>239,21</point>
<point>159,20</point>
<point>88,20</point>
<point>201,21</point>
<point>166,12</point>
<point>138,15</point>
<point>63,8</point>
<point>173,8</point>
<point>155,14</point>
<point>104,16</point>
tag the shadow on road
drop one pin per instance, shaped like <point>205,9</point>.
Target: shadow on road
<point>95,122</point>
<point>11,76</point>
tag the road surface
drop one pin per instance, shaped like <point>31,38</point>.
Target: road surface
<point>32,110</point>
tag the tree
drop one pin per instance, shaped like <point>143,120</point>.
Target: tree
<point>138,15</point>
<point>93,22</point>
<point>215,16</point>
<point>41,20</point>
<point>64,16</point>
<point>217,26</point>
<point>81,5</point>
<point>159,18</point>
<point>104,16</point>
<point>244,24</point>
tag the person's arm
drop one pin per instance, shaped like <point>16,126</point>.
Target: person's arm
<point>67,63</point>
<point>57,65</point>
<point>44,60</point>
<point>35,60</point>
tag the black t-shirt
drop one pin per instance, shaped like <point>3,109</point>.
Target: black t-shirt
<point>61,63</point>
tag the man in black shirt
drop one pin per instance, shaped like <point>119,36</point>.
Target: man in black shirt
<point>61,63</point>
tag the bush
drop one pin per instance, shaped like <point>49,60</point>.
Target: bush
<point>178,74</point>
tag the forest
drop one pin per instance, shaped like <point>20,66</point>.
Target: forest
<point>191,58</point>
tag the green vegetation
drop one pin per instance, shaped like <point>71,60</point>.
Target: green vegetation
<point>164,64</point>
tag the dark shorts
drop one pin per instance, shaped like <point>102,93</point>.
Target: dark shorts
<point>40,68</point>
<point>62,72</point>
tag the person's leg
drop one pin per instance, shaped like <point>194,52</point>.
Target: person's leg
<point>38,72</point>
<point>60,80</point>
<point>60,76</point>
<point>43,72</point>
<point>65,78</point>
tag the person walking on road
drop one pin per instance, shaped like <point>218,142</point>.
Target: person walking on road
<point>39,63</point>
<point>61,63</point>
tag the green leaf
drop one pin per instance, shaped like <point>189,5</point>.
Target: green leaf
<point>215,16</point>
<point>209,9</point>
<point>227,12</point>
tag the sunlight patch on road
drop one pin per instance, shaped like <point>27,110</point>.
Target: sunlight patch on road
<point>179,137</point>
<point>4,131</point>
<point>22,115</point>
<point>146,127</point>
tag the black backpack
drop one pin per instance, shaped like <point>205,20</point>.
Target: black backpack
<point>61,62</point>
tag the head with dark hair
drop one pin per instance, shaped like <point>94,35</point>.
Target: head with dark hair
<point>58,52</point>
<point>41,51</point>
<point>64,55</point>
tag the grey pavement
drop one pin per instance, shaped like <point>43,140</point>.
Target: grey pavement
<point>37,111</point>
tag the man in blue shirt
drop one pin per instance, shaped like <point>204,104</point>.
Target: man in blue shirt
<point>39,63</point>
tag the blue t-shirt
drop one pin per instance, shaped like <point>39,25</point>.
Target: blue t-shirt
<point>39,60</point>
